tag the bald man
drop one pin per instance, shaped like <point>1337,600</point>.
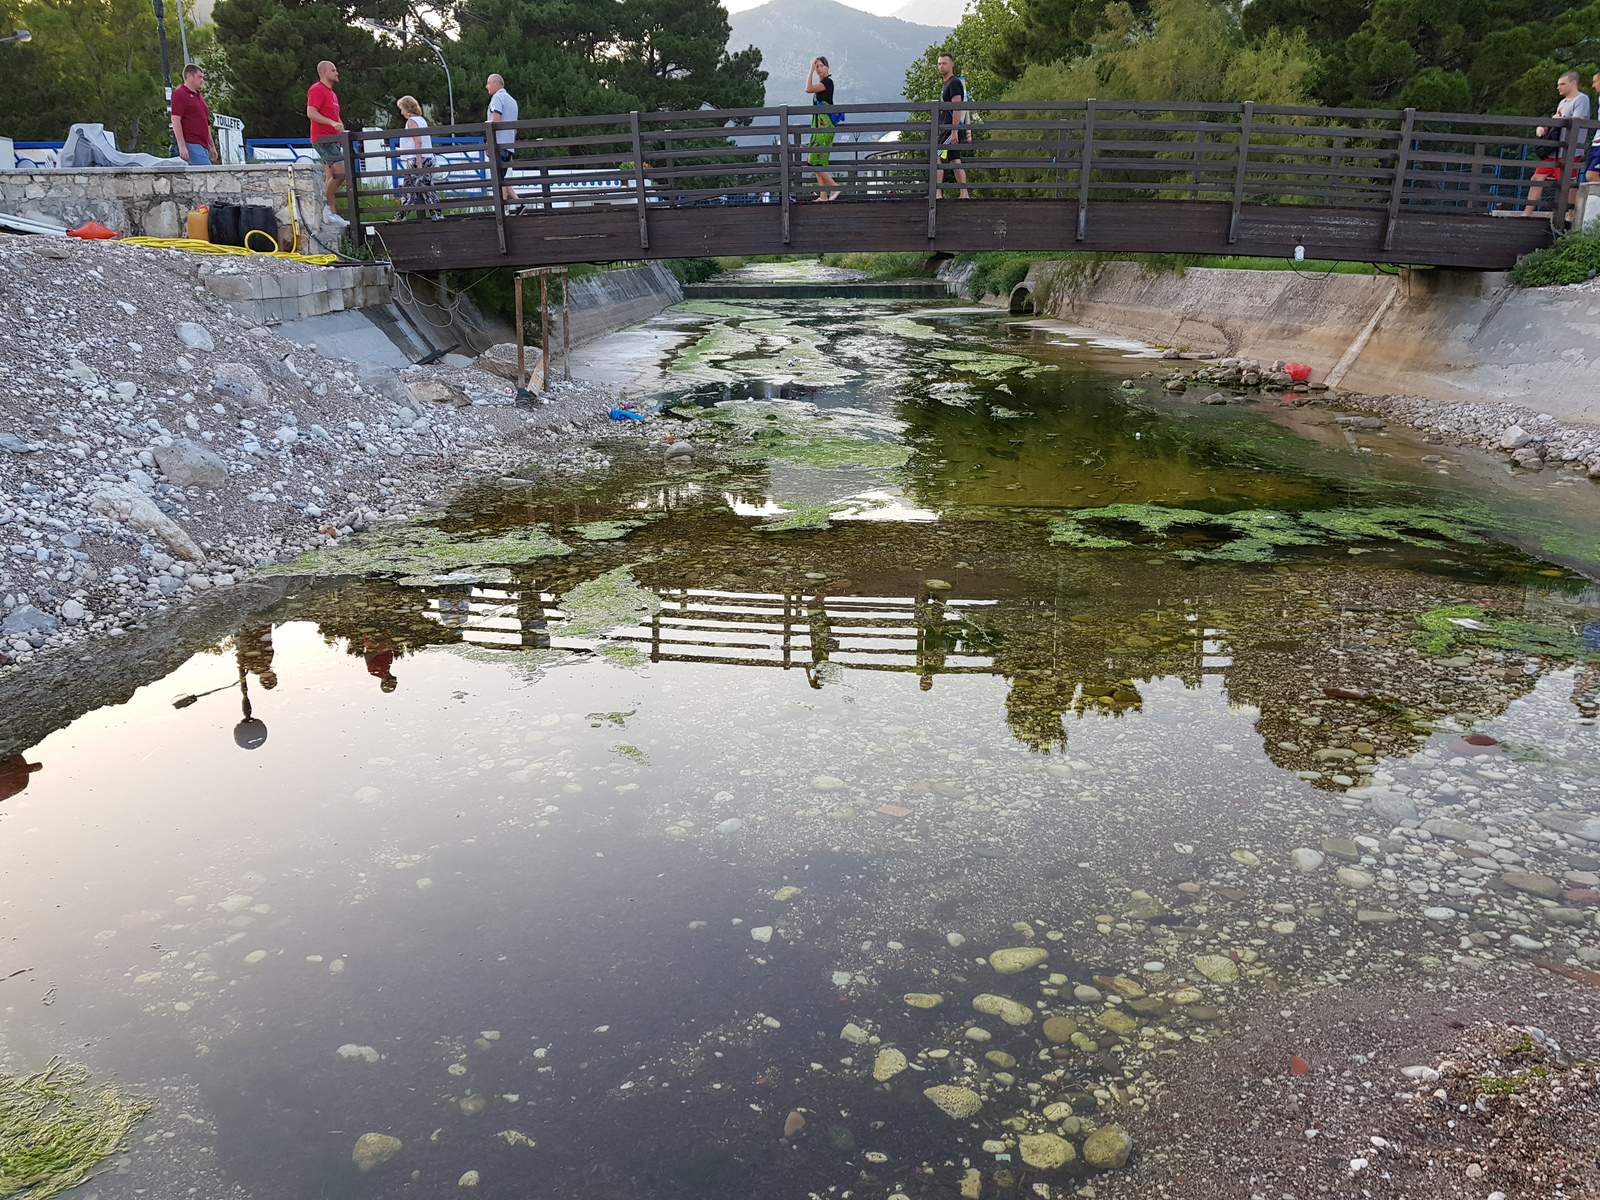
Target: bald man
<point>322,107</point>
<point>502,107</point>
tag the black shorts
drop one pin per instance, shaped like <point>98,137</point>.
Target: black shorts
<point>954,139</point>
<point>329,152</point>
<point>505,156</point>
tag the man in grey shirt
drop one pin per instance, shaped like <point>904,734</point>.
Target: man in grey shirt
<point>502,107</point>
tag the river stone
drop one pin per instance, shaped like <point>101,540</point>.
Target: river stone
<point>889,1063</point>
<point>189,464</point>
<point>999,1058</point>
<point>979,1034</point>
<point>1014,960</point>
<point>923,999</point>
<point>1008,1011</point>
<point>28,619</point>
<point>1107,1147</point>
<point>242,383</point>
<point>854,1034</point>
<point>1059,1029</point>
<point>1046,1151</point>
<point>1537,885</point>
<point>1352,877</point>
<point>1306,860</point>
<point>123,503</point>
<point>1456,831</point>
<point>958,1102</point>
<point>1342,848</point>
<point>1573,824</point>
<point>374,1149</point>
<point>1394,808</point>
<point>468,1179</point>
<point>1218,968</point>
<point>1117,1021</point>
<point>195,336</point>
<point>1515,437</point>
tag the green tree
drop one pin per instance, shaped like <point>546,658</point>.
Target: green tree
<point>1048,31</point>
<point>90,60</point>
<point>1439,55</point>
<point>1188,50</point>
<point>978,44</point>
<point>270,50</point>
<point>576,57</point>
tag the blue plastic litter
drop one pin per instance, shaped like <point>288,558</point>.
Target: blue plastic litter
<point>622,414</point>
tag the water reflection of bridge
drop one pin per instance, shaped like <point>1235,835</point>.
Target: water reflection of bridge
<point>924,634</point>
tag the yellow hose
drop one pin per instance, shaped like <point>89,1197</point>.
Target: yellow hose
<point>194,246</point>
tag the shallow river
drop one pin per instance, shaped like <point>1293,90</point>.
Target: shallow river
<point>586,872</point>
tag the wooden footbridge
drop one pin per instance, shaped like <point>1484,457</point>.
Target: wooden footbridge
<point>1409,187</point>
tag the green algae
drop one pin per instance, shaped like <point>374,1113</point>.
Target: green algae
<point>719,308</point>
<point>824,452</point>
<point>989,364</point>
<point>54,1131</point>
<point>905,327</point>
<point>421,549</point>
<point>1256,535</point>
<point>610,531</point>
<point>813,516</point>
<point>607,602</point>
<point>1458,627</point>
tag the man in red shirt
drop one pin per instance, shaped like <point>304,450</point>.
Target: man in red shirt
<point>191,119</point>
<point>322,107</point>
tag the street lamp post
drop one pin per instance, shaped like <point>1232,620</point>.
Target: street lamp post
<point>21,35</point>
<point>449,86</point>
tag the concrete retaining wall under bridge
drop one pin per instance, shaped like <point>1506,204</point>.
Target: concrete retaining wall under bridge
<point>1446,335</point>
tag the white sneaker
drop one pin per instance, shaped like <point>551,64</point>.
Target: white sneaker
<point>329,217</point>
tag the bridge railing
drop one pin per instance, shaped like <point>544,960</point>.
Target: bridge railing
<point>1083,151</point>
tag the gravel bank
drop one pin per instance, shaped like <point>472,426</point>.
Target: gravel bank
<point>1531,441</point>
<point>154,445</point>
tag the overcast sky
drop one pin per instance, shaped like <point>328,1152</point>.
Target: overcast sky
<point>881,8</point>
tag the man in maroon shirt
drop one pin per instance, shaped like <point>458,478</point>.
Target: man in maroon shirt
<point>191,119</point>
<point>322,107</point>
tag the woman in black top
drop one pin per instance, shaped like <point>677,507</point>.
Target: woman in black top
<point>820,84</point>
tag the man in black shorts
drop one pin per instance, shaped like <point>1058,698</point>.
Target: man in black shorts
<point>952,123</point>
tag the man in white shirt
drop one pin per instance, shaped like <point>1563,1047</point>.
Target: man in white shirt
<point>1574,105</point>
<point>502,107</point>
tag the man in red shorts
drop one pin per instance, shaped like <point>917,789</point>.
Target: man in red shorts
<point>1574,106</point>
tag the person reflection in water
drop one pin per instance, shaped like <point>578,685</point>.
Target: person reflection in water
<point>15,771</point>
<point>379,652</point>
<point>255,655</point>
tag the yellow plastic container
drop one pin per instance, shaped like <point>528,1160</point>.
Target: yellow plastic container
<point>199,225</point>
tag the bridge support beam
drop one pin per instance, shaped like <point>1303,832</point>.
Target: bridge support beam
<point>610,233</point>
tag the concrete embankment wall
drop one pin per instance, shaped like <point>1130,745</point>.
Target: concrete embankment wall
<point>1446,335</point>
<point>613,300</point>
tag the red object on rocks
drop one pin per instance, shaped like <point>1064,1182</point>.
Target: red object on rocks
<point>1298,1065</point>
<point>93,232</point>
<point>1475,745</point>
<point>1581,896</point>
<point>1299,372</point>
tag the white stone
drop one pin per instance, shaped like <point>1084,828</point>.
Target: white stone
<point>1306,860</point>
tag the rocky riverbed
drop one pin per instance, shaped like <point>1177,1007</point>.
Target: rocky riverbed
<point>155,445</point>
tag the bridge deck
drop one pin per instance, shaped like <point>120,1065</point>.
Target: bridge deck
<point>1154,226</point>
<point>1442,189</point>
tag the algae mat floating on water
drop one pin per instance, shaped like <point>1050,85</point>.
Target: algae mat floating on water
<point>422,548</point>
<point>1257,534</point>
<point>54,1130</point>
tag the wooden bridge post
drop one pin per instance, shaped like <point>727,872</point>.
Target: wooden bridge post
<point>1083,168</point>
<point>1246,118</point>
<point>497,175</point>
<point>352,175</point>
<point>783,167</point>
<point>1569,174</point>
<point>933,169</point>
<point>638,180</point>
<point>1399,177</point>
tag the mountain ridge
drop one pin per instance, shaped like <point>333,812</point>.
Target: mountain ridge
<point>868,54</point>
